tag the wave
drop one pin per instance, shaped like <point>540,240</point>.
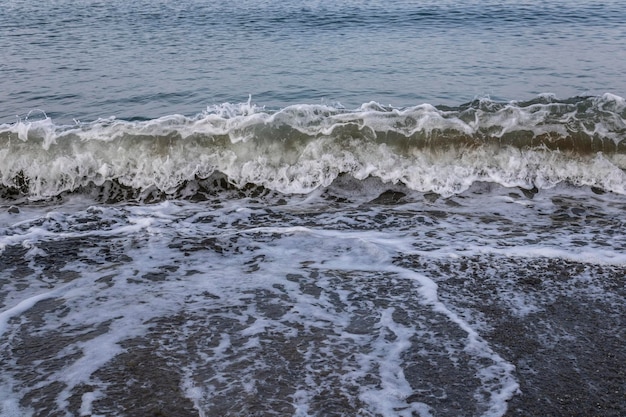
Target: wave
<point>297,149</point>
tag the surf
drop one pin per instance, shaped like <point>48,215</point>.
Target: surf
<point>298,149</point>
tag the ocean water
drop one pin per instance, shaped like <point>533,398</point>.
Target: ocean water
<point>348,208</point>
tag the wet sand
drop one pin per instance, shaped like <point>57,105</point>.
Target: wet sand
<point>269,328</point>
<point>569,355</point>
<point>567,348</point>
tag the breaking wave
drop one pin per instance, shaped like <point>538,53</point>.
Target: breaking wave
<point>297,149</point>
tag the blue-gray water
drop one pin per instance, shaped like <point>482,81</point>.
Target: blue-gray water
<point>322,208</point>
<point>148,58</point>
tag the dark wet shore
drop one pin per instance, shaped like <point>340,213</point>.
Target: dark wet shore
<point>249,331</point>
<point>569,353</point>
<point>568,347</point>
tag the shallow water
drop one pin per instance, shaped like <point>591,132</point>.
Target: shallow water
<point>323,305</point>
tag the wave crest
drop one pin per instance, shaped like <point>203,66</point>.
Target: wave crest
<point>538,143</point>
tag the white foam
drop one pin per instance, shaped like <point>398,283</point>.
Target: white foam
<point>389,399</point>
<point>303,147</point>
<point>300,402</point>
<point>87,401</point>
<point>232,260</point>
<point>367,255</point>
<point>27,304</point>
<point>498,379</point>
<point>193,392</point>
<point>10,402</point>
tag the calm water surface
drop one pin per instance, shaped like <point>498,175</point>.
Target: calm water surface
<point>90,59</point>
